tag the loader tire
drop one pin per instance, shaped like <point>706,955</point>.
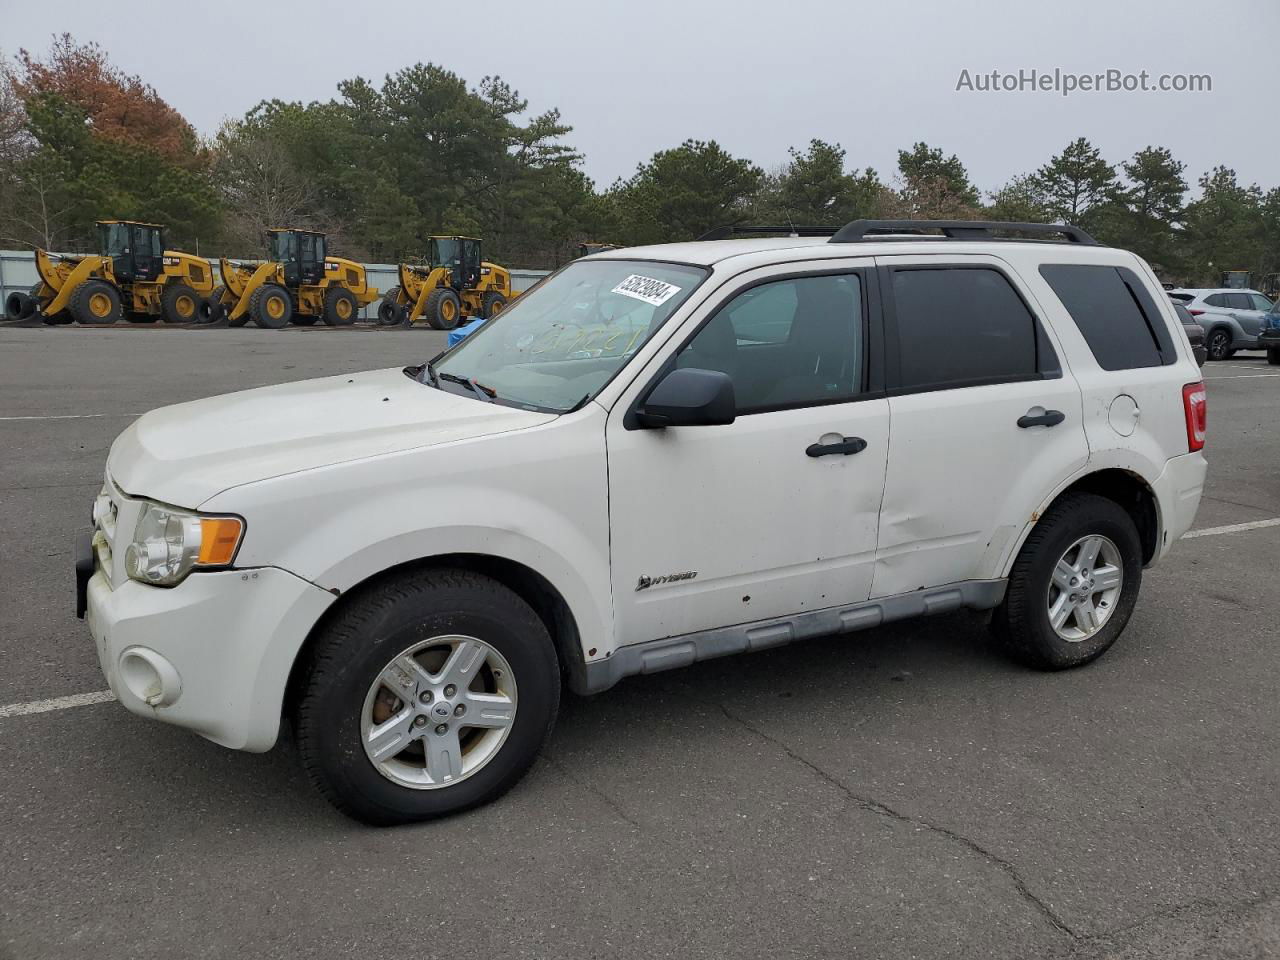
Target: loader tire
<point>96,302</point>
<point>212,309</point>
<point>392,313</point>
<point>179,304</point>
<point>494,303</point>
<point>340,307</point>
<point>443,309</point>
<point>19,306</point>
<point>271,306</point>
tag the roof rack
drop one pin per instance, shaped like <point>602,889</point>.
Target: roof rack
<point>724,233</point>
<point>858,231</point>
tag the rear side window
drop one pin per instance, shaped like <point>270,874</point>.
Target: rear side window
<point>1182,297</point>
<point>1114,312</point>
<point>963,326</point>
<point>1239,301</point>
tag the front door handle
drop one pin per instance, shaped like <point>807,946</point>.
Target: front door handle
<point>843,447</point>
<point>1050,418</point>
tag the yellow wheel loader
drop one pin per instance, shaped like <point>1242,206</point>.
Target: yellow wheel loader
<point>298,285</point>
<point>454,283</point>
<point>131,274</point>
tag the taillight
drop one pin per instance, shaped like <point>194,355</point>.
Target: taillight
<point>1195,313</point>
<point>1195,407</point>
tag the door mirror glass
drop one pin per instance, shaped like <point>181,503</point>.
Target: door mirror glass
<point>689,397</point>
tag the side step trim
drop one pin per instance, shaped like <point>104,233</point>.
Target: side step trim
<point>671,653</point>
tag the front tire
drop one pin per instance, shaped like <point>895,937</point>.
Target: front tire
<point>340,307</point>
<point>96,302</point>
<point>429,693</point>
<point>1073,586</point>
<point>271,306</point>
<point>443,309</point>
<point>179,304</point>
<point>1273,356</point>
<point>494,303</point>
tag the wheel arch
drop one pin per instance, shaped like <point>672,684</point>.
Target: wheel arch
<point>528,584</point>
<point>1127,488</point>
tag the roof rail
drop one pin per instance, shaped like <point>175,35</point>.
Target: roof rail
<point>725,232</point>
<point>864,230</point>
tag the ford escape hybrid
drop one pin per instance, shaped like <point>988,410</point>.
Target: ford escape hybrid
<point>657,456</point>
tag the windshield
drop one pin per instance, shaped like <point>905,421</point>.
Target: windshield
<point>113,239</point>
<point>284,246</point>
<point>443,251</point>
<point>557,345</point>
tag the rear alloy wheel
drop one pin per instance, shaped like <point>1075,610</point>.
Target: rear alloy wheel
<point>428,693</point>
<point>96,302</point>
<point>443,309</point>
<point>271,306</point>
<point>1218,344</point>
<point>340,307</point>
<point>179,304</point>
<point>1073,586</point>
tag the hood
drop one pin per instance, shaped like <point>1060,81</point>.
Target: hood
<point>189,452</point>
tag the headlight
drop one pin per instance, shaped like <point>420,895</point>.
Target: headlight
<point>168,544</point>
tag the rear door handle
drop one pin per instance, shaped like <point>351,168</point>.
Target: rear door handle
<point>1050,418</point>
<point>843,447</point>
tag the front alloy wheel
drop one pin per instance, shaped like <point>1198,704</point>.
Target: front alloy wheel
<point>438,712</point>
<point>426,692</point>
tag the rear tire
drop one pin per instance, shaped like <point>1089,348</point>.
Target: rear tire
<point>443,309</point>
<point>340,307</point>
<point>180,304</point>
<point>271,306</point>
<point>341,691</point>
<point>95,302</point>
<point>1217,344</point>
<point>1023,624</point>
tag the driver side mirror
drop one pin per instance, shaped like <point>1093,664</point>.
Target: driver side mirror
<point>689,397</point>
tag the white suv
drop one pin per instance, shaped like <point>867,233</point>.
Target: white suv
<point>657,456</point>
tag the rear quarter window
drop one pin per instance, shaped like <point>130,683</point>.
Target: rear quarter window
<point>1115,313</point>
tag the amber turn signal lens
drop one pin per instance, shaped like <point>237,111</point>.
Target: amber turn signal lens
<point>219,537</point>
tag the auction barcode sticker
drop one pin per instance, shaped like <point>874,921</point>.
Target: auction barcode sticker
<point>649,290</point>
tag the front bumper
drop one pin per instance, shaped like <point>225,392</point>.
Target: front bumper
<point>1178,490</point>
<point>1269,339</point>
<point>212,654</point>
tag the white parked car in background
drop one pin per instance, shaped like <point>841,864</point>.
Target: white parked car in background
<point>660,455</point>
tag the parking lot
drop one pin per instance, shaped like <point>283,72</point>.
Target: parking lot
<point>904,792</point>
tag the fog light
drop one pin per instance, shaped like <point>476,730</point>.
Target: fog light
<point>150,677</point>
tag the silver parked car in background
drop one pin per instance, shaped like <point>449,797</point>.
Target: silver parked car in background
<point>1232,319</point>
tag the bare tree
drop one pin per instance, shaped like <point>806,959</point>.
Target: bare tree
<point>260,186</point>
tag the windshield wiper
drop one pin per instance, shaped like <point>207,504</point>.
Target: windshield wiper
<point>487,394</point>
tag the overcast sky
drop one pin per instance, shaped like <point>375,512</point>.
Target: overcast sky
<point>636,77</point>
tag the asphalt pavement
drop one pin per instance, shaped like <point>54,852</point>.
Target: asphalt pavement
<point>899,793</point>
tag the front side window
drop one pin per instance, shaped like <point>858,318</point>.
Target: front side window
<point>792,342</point>
<point>554,347</point>
<point>962,326</point>
<point>1260,302</point>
